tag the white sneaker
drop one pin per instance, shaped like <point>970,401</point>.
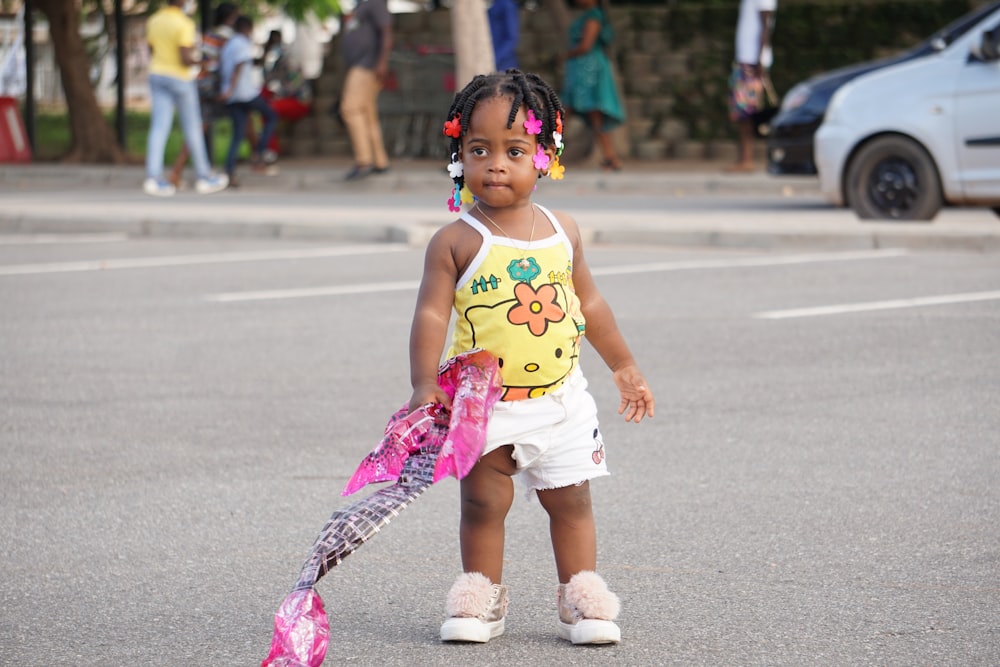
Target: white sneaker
<point>477,609</point>
<point>587,610</point>
<point>158,188</point>
<point>213,183</point>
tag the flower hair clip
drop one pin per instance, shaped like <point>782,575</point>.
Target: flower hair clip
<point>453,127</point>
<point>532,125</point>
<point>455,200</point>
<point>556,170</point>
<point>541,158</point>
<point>455,168</point>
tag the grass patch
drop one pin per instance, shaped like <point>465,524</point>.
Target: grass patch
<point>52,139</point>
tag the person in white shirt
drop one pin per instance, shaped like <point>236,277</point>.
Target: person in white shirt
<point>241,91</point>
<point>750,67</point>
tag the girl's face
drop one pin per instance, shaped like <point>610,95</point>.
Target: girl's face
<point>498,162</point>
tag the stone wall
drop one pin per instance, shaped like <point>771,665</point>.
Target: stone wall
<point>672,64</point>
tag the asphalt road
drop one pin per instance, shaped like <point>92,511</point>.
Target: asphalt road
<point>178,418</point>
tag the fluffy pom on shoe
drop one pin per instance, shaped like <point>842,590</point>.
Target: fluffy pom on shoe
<point>470,595</point>
<point>589,594</point>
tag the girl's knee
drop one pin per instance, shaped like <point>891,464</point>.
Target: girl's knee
<point>567,501</point>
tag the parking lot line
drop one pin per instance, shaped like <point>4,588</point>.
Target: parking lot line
<point>740,262</point>
<point>192,260</point>
<point>333,290</point>
<point>917,302</point>
<point>59,239</point>
<point>686,265</point>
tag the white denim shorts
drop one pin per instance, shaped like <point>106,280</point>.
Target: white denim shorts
<point>556,438</point>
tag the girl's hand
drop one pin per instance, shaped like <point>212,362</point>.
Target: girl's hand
<point>637,398</point>
<point>428,393</point>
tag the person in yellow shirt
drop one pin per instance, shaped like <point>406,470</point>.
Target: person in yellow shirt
<point>171,37</point>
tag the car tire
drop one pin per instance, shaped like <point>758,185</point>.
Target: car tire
<point>893,178</point>
<point>996,209</point>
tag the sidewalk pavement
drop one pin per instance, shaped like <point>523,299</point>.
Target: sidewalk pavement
<point>669,203</point>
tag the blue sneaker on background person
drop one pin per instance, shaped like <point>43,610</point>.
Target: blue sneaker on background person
<point>158,188</point>
<point>210,184</point>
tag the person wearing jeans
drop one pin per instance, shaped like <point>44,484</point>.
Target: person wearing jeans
<point>171,37</point>
<point>243,96</point>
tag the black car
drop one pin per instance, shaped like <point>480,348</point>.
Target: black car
<point>790,140</point>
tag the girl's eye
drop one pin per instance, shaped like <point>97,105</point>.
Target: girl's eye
<point>516,152</point>
<point>479,152</point>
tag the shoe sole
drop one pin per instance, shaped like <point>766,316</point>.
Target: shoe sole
<point>470,630</point>
<point>210,189</point>
<point>590,631</point>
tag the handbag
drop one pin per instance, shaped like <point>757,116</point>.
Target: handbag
<point>761,119</point>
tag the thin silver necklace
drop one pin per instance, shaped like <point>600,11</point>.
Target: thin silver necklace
<point>523,263</point>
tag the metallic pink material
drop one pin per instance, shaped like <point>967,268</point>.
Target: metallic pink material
<point>417,450</point>
<point>301,632</point>
<point>472,381</point>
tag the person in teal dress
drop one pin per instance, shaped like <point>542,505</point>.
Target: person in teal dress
<point>589,86</point>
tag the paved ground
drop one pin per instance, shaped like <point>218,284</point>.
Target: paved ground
<point>693,204</point>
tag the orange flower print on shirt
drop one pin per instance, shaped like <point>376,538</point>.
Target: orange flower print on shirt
<point>536,308</point>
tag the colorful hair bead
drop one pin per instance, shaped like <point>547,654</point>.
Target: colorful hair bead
<point>455,201</point>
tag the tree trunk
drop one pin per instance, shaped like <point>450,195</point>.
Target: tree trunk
<point>92,140</point>
<point>470,31</point>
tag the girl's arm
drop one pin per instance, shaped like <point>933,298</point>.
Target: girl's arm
<point>602,331</point>
<point>591,30</point>
<point>431,317</point>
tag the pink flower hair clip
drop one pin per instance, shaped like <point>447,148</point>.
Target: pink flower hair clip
<point>532,125</point>
<point>541,159</point>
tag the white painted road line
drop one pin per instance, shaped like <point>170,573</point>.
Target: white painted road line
<point>917,302</point>
<point>335,290</point>
<point>59,239</point>
<point>740,262</point>
<point>191,260</point>
<point>733,262</point>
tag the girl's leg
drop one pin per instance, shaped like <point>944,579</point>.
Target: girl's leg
<point>571,526</point>
<point>603,139</point>
<point>487,494</point>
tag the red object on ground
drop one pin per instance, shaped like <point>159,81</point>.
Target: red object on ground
<point>14,145</point>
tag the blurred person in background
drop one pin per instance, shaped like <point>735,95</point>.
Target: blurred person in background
<point>747,94</point>
<point>366,43</point>
<point>171,37</point>
<point>208,82</point>
<point>241,91</point>
<point>589,85</point>
<point>505,30</point>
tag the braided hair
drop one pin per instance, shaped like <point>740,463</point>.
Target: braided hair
<point>524,89</point>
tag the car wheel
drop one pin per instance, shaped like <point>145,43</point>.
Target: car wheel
<point>996,209</point>
<point>893,178</point>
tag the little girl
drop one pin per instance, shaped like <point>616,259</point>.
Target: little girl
<point>516,276</point>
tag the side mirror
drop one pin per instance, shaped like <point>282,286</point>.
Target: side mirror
<point>988,48</point>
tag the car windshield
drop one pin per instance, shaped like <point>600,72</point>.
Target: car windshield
<point>945,36</point>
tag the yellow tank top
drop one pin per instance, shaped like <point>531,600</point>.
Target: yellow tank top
<point>520,305</point>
